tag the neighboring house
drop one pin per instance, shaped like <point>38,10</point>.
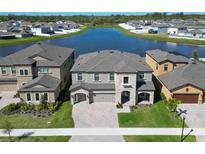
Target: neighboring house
<point>112,76</point>
<point>176,30</point>
<point>196,33</point>
<point>7,35</point>
<point>186,83</point>
<point>3,27</point>
<point>40,69</point>
<point>158,28</point>
<point>162,62</point>
<point>42,30</point>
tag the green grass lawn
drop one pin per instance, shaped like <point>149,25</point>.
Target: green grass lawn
<point>160,37</point>
<point>61,119</point>
<point>155,116</point>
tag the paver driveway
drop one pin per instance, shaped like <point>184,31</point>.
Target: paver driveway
<point>194,114</point>
<point>95,115</point>
<point>7,98</point>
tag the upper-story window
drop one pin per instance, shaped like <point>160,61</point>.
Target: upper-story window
<point>126,80</point>
<point>23,72</point>
<point>141,76</point>
<point>79,76</point>
<point>165,67</point>
<point>112,76</point>
<point>43,70</point>
<point>3,70</point>
<point>13,70</point>
<point>157,66</point>
<point>96,76</point>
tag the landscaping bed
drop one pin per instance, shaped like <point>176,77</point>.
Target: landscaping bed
<point>157,115</point>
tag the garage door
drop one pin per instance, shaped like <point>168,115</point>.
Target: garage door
<point>187,98</point>
<point>104,98</point>
<point>8,87</point>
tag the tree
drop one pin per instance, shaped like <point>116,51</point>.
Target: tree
<point>172,104</point>
<point>7,128</point>
<point>195,55</point>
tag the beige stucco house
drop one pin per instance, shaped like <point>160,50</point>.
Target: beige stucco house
<point>177,76</point>
<point>112,76</point>
<point>40,69</point>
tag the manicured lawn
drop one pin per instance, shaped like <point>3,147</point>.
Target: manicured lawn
<point>160,37</point>
<point>155,116</point>
<point>61,119</point>
<point>6,42</point>
<point>157,139</point>
<point>37,139</point>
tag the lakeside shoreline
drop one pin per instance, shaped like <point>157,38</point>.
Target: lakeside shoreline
<point>87,26</point>
<point>18,41</point>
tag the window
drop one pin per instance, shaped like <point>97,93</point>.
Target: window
<point>141,76</point>
<point>37,97</point>
<point>125,80</point>
<point>187,89</point>
<point>43,70</point>
<point>156,66</point>
<point>79,76</point>
<point>3,70</point>
<point>112,76</point>
<point>28,97</point>
<point>96,77</point>
<point>23,72</point>
<point>165,67</point>
<point>45,96</point>
<point>13,70</point>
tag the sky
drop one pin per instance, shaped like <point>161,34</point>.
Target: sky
<point>85,13</point>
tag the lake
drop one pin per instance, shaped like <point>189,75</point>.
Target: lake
<point>109,38</point>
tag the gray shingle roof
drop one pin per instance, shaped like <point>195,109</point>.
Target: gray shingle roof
<point>90,86</point>
<point>110,61</point>
<point>145,86</point>
<point>56,55</point>
<point>191,73</point>
<point>161,56</point>
<point>47,82</point>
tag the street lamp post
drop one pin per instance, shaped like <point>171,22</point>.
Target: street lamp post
<point>182,135</point>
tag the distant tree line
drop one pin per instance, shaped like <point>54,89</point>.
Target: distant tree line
<point>102,19</point>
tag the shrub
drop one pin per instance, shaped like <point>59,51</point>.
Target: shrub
<point>172,104</point>
<point>119,106</point>
<point>39,107</point>
<point>10,108</point>
<point>163,97</point>
<point>27,107</point>
<point>52,107</point>
<point>133,107</point>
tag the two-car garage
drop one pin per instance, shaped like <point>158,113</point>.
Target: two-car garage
<point>104,97</point>
<point>187,98</point>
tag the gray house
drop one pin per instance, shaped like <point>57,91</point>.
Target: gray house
<point>111,76</point>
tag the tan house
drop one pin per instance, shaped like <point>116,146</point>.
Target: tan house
<point>162,62</point>
<point>37,70</point>
<point>177,76</point>
<point>186,83</point>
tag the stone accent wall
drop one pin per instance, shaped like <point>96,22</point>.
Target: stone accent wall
<point>120,87</point>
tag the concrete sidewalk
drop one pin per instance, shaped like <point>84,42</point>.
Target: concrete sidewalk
<point>102,131</point>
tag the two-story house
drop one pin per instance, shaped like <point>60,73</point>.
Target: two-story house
<point>40,69</point>
<point>111,76</point>
<point>162,62</point>
<point>177,76</point>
